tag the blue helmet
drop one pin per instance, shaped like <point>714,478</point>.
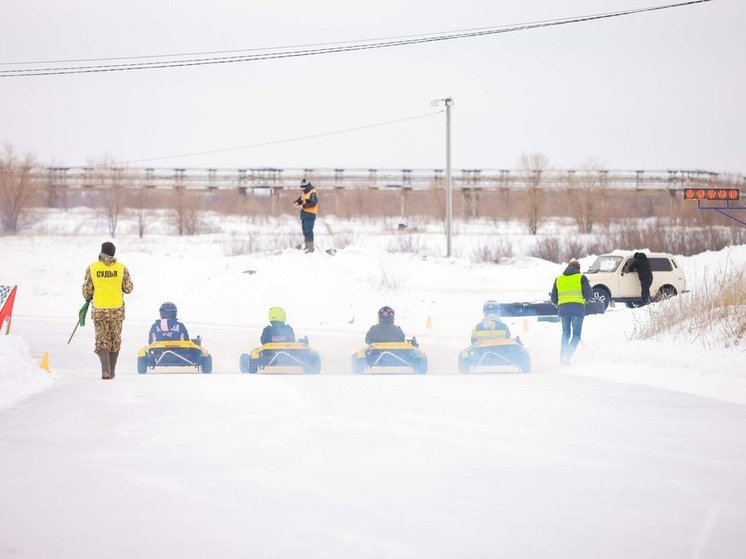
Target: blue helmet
<point>168,310</point>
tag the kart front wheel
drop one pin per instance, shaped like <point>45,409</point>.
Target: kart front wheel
<point>207,364</point>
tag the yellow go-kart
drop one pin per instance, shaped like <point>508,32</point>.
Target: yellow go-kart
<point>390,357</point>
<point>282,357</point>
<point>495,355</point>
<point>174,353</point>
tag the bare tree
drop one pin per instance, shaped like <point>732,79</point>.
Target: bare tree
<point>18,189</point>
<point>110,183</point>
<point>586,192</point>
<point>140,201</point>
<point>188,215</point>
<point>533,165</point>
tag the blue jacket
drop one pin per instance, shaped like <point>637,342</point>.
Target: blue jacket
<point>277,332</point>
<point>167,329</point>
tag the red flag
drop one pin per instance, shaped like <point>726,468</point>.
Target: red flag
<point>7,298</point>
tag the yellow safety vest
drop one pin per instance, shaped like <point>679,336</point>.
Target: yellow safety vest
<point>107,285</point>
<point>570,289</point>
<point>307,196</point>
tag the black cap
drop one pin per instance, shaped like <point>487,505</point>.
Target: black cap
<point>108,248</point>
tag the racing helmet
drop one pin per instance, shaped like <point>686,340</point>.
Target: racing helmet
<point>386,315</point>
<point>491,309</point>
<point>168,310</point>
<point>277,314</point>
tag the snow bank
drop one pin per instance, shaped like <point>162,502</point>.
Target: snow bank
<point>19,376</point>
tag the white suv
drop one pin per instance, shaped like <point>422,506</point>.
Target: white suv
<point>611,281</point>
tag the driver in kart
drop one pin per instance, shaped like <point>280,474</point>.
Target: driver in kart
<point>277,331</point>
<point>491,327</point>
<point>168,327</point>
<point>385,330</point>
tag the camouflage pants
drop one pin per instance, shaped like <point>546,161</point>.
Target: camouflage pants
<point>108,326</point>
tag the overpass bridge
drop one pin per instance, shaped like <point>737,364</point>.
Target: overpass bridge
<point>255,180</point>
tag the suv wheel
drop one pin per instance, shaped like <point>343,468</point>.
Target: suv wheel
<point>665,292</point>
<point>602,294</point>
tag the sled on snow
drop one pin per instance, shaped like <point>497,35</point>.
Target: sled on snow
<point>390,357</point>
<point>543,308</point>
<point>495,355</point>
<point>281,357</point>
<point>174,353</point>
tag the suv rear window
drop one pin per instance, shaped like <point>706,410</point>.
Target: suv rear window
<point>660,265</point>
<point>605,264</point>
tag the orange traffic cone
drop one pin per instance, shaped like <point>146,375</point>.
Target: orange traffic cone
<point>429,323</point>
<point>45,362</point>
<point>525,324</point>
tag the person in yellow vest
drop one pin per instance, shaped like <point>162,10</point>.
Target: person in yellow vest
<point>570,292</point>
<point>309,208</point>
<point>105,282</point>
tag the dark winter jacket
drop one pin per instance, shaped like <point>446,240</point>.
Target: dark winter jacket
<point>574,308</point>
<point>641,265</point>
<point>277,332</point>
<point>383,332</point>
<point>167,329</point>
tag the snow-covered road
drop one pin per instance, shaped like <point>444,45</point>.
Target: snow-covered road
<point>338,465</point>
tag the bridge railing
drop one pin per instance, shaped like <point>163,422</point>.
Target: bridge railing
<point>418,179</point>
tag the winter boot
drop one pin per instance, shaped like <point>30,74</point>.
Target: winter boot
<point>309,246</point>
<point>113,356</point>
<point>105,358</point>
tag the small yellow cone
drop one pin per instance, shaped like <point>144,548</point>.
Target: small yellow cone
<point>429,323</point>
<point>525,324</point>
<point>45,361</point>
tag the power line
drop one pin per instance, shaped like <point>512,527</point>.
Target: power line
<point>287,140</point>
<point>312,50</point>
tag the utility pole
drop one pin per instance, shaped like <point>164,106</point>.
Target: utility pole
<point>448,102</point>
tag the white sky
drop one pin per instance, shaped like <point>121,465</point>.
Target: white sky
<point>659,90</point>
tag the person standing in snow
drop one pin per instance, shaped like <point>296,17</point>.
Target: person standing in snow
<point>570,291</point>
<point>105,282</point>
<point>309,207</point>
<point>641,265</point>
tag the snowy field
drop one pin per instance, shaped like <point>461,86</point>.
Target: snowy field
<point>636,450</point>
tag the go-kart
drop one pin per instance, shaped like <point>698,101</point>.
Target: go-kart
<point>281,357</point>
<point>174,353</point>
<point>390,357</point>
<point>495,355</point>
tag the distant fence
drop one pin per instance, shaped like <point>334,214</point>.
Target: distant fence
<point>256,180</point>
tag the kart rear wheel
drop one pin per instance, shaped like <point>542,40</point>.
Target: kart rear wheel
<point>524,365</point>
<point>420,366</point>
<point>313,365</point>
<point>142,365</point>
<point>243,363</point>
<point>253,366</point>
<point>463,365</point>
<point>358,366</point>
<point>207,364</point>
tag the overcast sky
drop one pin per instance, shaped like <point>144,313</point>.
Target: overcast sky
<point>658,90</point>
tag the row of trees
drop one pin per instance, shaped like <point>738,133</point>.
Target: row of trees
<point>585,198</point>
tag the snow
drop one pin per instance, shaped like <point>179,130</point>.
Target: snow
<point>636,450</point>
